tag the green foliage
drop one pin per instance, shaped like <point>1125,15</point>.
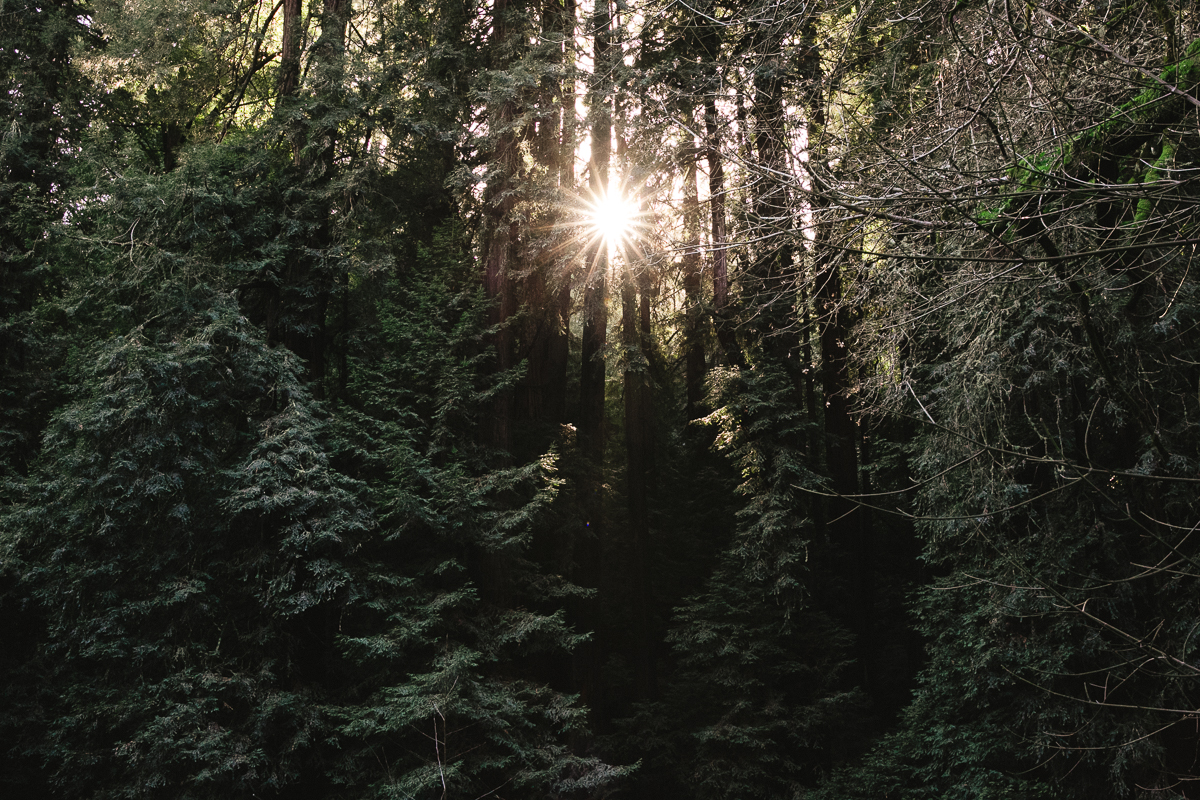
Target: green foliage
<point>256,537</point>
<point>763,430</point>
<point>454,603</point>
<point>222,611</point>
<point>757,699</point>
<point>186,543</point>
<point>1057,467</point>
<point>44,113</point>
<point>1052,382</point>
<point>189,72</point>
<point>758,704</point>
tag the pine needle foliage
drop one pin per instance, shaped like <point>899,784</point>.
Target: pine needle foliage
<point>759,700</point>
<point>185,540</point>
<point>1053,377</point>
<point>1060,636</point>
<point>240,596</point>
<point>44,114</point>
<point>455,602</point>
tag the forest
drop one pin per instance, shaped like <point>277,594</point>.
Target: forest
<point>589,399</point>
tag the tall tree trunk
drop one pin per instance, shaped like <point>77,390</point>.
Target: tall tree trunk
<point>846,521</point>
<point>772,273</point>
<point>560,347</point>
<point>502,229</point>
<point>595,325</point>
<point>592,369</point>
<point>637,447</point>
<point>289,60</point>
<point>501,263</point>
<point>720,237</point>
<point>545,330</point>
<point>833,322</point>
<point>297,308</point>
<point>694,360</point>
<point>654,372</point>
<point>499,289</point>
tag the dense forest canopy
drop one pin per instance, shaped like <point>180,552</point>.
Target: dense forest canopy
<point>546,398</point>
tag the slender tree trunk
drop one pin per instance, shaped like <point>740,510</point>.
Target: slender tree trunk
<point>653,375</point>
<point>498,287</point>
<point>544,335</point>
<point>502,230</point>
<point>720,238</point>
<point>772,276</point>
<point>297,309</point>
<point>591,379</point>
<point>637,448</point>
<point>561,348</point>
<point>500,263</point>
<point>694,360</point>
<point>595,310</point>
<point>344,340</point>
<point>846,521</point>
<point>567,158</point>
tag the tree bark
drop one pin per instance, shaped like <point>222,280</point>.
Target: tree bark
<point>591,381</point>
<point>720,238</point>
<point>545,341</point>
<point>289,59</point>
<point>637,447</point>
<point>502,232</point>
<point>694,360</point>
<point>595,326</point>
<point>297,308</point>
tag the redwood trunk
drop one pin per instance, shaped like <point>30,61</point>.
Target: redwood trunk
<point>502,231</point>
<point>289,57</point>
<point>720,238</point>
<point>694,361</point>
<point>637,448</point>
<point>591,384</point>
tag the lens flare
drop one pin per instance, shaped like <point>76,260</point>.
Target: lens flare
<point>614,218</point>
<point>607,228</point>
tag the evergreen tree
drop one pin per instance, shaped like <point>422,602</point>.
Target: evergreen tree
<point>760,696</point>
<point>467,716</point>
<point>226,613</point>
<point>45,112</point>
<point>186,542</point>
<point>1045,349</point>
<point>289,501</point>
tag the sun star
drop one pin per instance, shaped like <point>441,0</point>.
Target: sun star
<point>614,218</point>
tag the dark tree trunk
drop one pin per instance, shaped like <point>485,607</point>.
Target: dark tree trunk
<point>591,381</point>
<point>694,360</point>
<point>720,238</point>
<point>502,232</point>
<point>501,262</point>
<point>637,447</point>
<point>595,325</point>
<point>297,308</point>
<point>772,278</point>
<point>544,335</point>
<point>846,522</point>
<point>289,59</point>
